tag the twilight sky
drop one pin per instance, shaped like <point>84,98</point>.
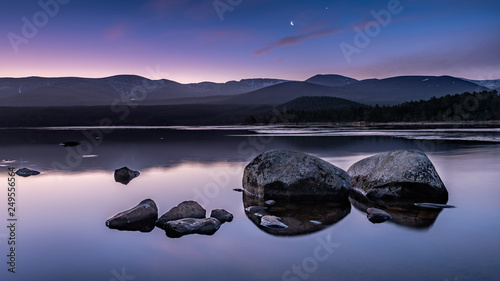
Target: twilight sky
<point>221,40</point>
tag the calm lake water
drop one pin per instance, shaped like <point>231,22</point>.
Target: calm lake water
<point>61,232</point>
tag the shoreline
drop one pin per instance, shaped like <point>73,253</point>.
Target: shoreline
<point>312,124</point>
<point>375,124</point>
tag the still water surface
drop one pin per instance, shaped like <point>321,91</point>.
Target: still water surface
<point>61,232</point>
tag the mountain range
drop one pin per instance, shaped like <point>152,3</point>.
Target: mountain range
<point>137,90</point>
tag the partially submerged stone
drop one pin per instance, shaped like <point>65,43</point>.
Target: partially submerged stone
<point>377,216</point>
<point>222,215</point>
<point>400,174</point>
<point>186,209</point>
<point>255,209</point>
<point>433,205</point>
<point>25,172</point>
<point>140,218</point>
<point>69,143</point>
<point>272,221</point>
<point>181,227</point>
<point>287,174</point>
<point>270,202</point>
<point>124,175</point>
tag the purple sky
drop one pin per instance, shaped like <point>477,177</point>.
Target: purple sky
<point>221,40</point>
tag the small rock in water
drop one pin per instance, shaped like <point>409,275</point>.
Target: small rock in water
<point>25,172</point>
<point>186,209</point>
<point>433,205</point>
<point>141,217</point>
<point>222,215</point>
<point>238,189</point>
<point>69,143</point>
<point>272,222</point>
<point>178,228</point>
<point>124,175</point>
<point>255,209</point>
<point>377,216</point>
<point>270,202</point>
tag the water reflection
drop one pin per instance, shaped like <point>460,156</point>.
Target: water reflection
<point>144,149</point>
<point>183,164</point>
<point>300,217</point>
<point>403,212</point>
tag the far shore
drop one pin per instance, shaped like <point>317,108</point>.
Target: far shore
<point>377,124</point>
<point>312,124</point>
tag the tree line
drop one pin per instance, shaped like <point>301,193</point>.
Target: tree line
<point>476,106</point>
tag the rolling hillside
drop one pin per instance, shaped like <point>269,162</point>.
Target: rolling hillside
<point>135,90</point>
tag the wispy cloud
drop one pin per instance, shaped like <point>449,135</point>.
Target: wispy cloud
<point>114,32</point>
<point>298,39</point>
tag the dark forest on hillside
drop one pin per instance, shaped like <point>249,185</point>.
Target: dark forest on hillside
<point>483,106</point>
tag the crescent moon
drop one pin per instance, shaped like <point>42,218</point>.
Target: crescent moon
<point>291,23</point>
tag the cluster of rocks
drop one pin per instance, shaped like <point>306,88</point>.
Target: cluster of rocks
<point>186,218</point>
<point>401,185</point>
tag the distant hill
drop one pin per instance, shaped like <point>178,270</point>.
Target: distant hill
<point>232,87</point>
<point>280,93</point>
<point>137,90</point>
<point>331,80</point>
<point>74,91</point>
<point>371,91</point>
<point>399,89</point>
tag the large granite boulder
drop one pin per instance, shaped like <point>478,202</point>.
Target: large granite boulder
<point>124,175</point>
<point>141,217</point>
<point>401,174</point>
<point>287,174</point>
<point>186,209</point>
<point>181,227</point>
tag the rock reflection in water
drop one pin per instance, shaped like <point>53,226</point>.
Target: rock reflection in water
<point>403,212</point>
<point>300,217</point>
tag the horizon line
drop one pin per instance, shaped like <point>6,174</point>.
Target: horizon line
<point>207,81</point>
